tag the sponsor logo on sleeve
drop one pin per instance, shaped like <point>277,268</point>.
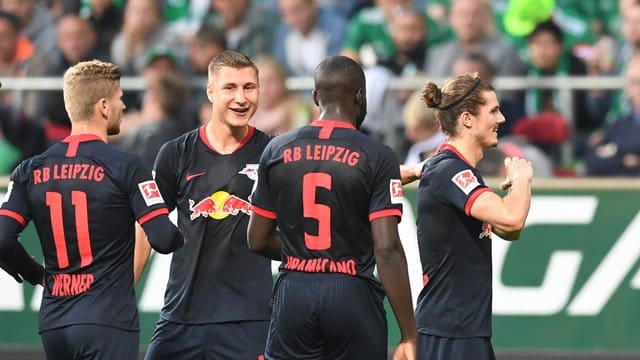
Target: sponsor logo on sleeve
<point>395,190</point>
<point>466,181</point>
<point>150,192</point>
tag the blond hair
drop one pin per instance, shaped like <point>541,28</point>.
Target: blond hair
<point>85,84</point>
<point>416,113</point>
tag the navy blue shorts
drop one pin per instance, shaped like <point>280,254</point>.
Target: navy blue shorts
<point>232,340</point>
<point>327,316</point>
<point>89,341</point>
<point>441,348</point>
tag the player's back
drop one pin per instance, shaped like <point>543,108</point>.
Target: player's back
<point>325,182</point>
<point>80,197</point>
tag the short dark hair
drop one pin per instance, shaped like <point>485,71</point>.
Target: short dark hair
<point>210,34</point>
<point>550,27</point>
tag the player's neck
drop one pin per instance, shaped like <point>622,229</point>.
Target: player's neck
<point>225,139</point>
<point>87,128</point>
<point>468,149</point>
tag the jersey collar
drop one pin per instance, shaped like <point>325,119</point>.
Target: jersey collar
<point>447,146</point>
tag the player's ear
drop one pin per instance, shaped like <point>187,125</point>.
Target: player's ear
<point>315,98</point>
<point>359,96</point>
<point>102,107</point>
<point>210,92</point>
<point>466,119</point>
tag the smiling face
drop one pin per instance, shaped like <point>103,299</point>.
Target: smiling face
<point>487,121</point>
<point>234,95</point>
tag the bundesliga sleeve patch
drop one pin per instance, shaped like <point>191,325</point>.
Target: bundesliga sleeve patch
<point>395,190</point>
<point>465,180</point>
<point>150,192</point>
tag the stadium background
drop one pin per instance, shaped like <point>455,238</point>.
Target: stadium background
<point>569,289</point>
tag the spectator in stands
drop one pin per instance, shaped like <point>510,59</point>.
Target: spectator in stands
<point>510,103</point>
<point>615,151</point>
<point>308,34</point>
<point>548,58</point>
<point>76,40</point>
<point>106,19</point>
<point>15,51</point>
<point>20,138</point>
<point>383,121</point>
<point>279,110</point>
<point>471,22</point>
<point>142,30</point>
<point>37,25</point>
<point>421,129</point>
<point>409,36</point>
<point>368,32</point>
<point>162,113</point>
<point>160,61</point>
<point>207,42</point>
<point>630,24</point>
<point>249,27</point>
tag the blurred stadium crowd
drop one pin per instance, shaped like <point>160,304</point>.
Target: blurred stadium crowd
<point>167,42</point>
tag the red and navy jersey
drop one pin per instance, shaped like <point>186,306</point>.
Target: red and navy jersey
<point>325,183</point>
<point>455,250</point>
<point>84,197</point>
<point>214,277</point>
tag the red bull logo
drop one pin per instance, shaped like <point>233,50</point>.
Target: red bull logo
<point>218,206</point>
<point>251,170</point>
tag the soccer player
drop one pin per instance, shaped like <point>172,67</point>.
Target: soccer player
<point>217,302</point>
<point>84,197</point>
<point>456,215</point>
<point>335,195</point>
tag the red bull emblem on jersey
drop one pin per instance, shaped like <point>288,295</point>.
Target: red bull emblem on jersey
<point>465,180</point>
<point>218,206</point>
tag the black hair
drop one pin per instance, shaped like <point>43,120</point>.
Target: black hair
<point>550,27</point>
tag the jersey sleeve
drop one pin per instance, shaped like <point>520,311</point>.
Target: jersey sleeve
<point>386,199</point>
<point>262,199</point>
<point>144,196</point>
<point>15,204</point>
<point>459,184</point>
<point>164,170</point>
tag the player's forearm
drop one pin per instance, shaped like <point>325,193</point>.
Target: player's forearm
<point>263,238</point>
<point>163,236</point>
<point>271,248</point>
<point>141,254</point>
<point>410,173</point>
<point>516,208</point>
<point>392,269</point>
<point>17,258</point>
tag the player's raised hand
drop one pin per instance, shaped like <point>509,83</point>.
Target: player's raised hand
<point>516,169</point>
<point>406,350</point>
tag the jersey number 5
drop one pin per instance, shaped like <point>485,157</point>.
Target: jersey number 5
<point>79,201</point>
<point>310,183</point>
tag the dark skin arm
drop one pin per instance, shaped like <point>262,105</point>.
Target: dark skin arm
<point>262,237</point>
<point>392,269</point>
